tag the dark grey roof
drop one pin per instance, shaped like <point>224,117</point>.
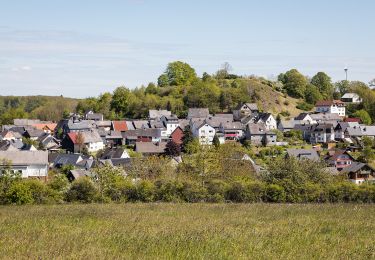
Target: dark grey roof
<point>66,159</point>
<point>141,124</point>
<point>112,153</point>
<point>94,116</point>
<point>301,116</point>
<point>81,125</point>
<point>153,132</point>
<point>34,133</point>
<point>355,166</point>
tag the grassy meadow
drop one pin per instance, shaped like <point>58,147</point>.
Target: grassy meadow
<point>187,231</point>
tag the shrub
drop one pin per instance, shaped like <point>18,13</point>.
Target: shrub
<point>19,193</point>
<point>216,190</point>
<point>168,191</point>
<point>145,191</point>
<point>275,193</point>
<point>82,190</point>
<point>304,106</point>
<point>193,192</point>
<point>241,191</point>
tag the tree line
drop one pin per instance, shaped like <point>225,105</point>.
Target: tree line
<point>206,174</point>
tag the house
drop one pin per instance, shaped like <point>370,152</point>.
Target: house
<point>352,120</point>
<point>339,159</point>
<point>12,145</point>
<point>59,160</point>
<point>341,128</point>
<point>149,148</point>
<point>114,138</point>
<point>198,113</point>
<point>203,131</point>
<point>116,153</point>
<point>326,118</point>
<point>8,135</point>
<point>351,98</point>
<point>26,122</point>
<point>331,107</point>
<point>360,172</point>
<point>78,125</point>
<point>305,118</point>
<point>233,131</point>
<point>170,123</point>
<point>309,154</point>
<point>267,119</point>
<point>141,124</point>
<point>91,141</point>
<point>90,115</point>
<point>47,127</point>
<point>49,142</point>
<point>34,133</point>
<point>120,126</point>
<point>259,135</point>
<point>29,164</point>
<point>78,173</point>
<point>158,114</point>
<point>322,133</point>
<point>286,125</point>
<point>245,110</point>
<point>177,135</point>
<point>142,135</point>
<point>104,125</point>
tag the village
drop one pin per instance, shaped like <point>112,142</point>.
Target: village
<point>33,147</point>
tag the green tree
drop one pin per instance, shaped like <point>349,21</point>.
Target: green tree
<point>294,83</point>
<point>163,80</point>
<point>364,116</point>
<point>82,190</point>
<point>312,94</point>
<point>323,82</point>
<point>120,100</point>
<point>216,141</point>
<point>180,74</point>
<point>172,148</point>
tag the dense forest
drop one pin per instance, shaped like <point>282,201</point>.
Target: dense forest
<point>179,88</point>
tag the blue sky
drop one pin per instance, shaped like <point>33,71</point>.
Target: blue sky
<point>82,48</point>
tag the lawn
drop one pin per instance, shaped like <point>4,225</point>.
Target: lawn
<point>188,231</point>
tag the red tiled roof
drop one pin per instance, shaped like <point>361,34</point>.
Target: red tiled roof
<point>352,119</point>
<point>73,137</point>
<point>324,103</point>
<point>50,126</point>
<point>120,126</point>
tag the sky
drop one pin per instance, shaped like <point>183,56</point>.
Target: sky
<point>82,48</point>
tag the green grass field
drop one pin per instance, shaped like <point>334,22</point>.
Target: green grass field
<point>188,231</point>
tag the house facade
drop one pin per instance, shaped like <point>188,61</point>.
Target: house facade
<point>331,107</point>
<point>29,164</point>
<point>203,131</point>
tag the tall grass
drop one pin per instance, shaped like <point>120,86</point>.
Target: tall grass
<point>187,231</point>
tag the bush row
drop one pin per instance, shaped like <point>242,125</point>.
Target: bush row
<point>85,190</point>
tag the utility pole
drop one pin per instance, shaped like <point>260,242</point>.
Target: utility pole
<point>346,74</point>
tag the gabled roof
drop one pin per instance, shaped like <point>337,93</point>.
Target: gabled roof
<point>151,132</point>
<point>310,154</point>
<point>355,166</point>
<point>120,126</point>
<point>81,124</point>
<point>259,129</point>
<point>25,157</point>
<point>149,147</point>
<point>352,119</point>
<point>43,126</point>
<point>301,116</point>
<point>251,106</point>
<point>198,113</point>
<point>141,124</point>
<point>94,116</point>
<point>153,114</point>
<point>350,95</point>
<point>91,136</point>
<point>34,132</point>
<point>325,103</point>
<point>325,117</point>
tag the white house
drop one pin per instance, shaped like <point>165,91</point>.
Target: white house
<point>268,120</point>
<point>26,163</point>
<point>331,106</point>
<point>351,98</point>
<point>304,118</point>
<point>203,131</point>
<point>170,123</point>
